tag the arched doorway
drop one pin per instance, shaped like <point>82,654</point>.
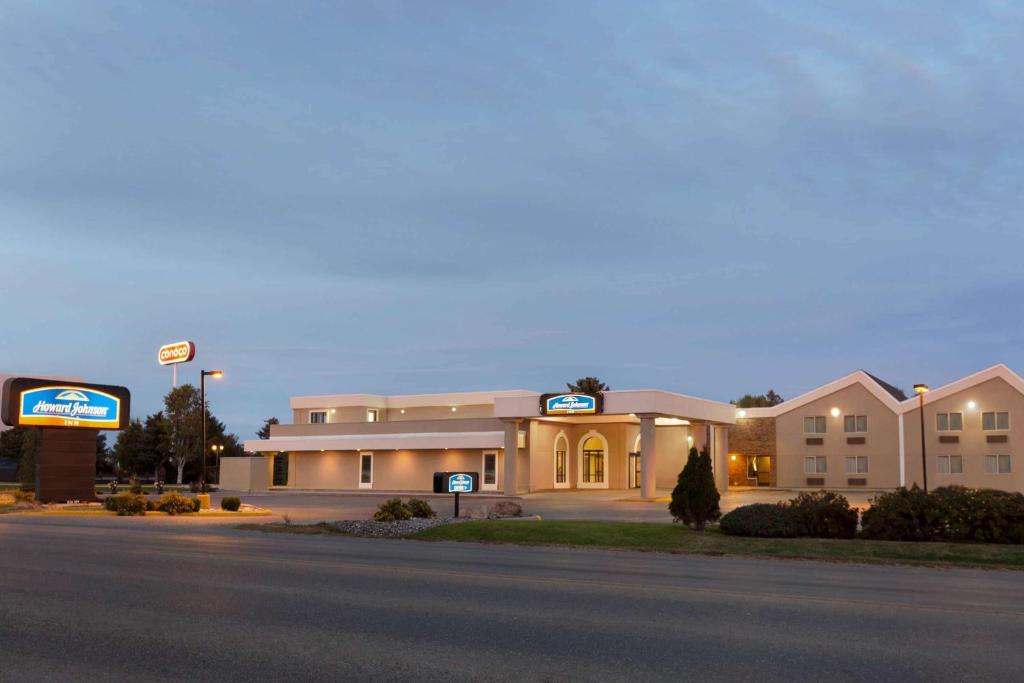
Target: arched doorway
<point>593,461</point>
<point>561,461</point>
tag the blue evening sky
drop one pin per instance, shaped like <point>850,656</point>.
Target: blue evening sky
<point>706,197</point>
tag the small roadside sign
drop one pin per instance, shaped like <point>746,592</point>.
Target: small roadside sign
<point>456,483</point>
<point>460,483</point>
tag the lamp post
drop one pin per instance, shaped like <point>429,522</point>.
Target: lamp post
<point>203,374</point>
<point>216,449</point>
<point>921,390</point>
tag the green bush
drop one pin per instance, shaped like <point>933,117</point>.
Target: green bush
<point>392,510</point>
<point>230,503</point>
<point>762,520</point>
<point>21,496</point>
<point>904,515</point>
<point>420,508</point>
<point>174,503</point>
<point>126,504</point>
<point>823,514</point>
<point>695,498</point>
<point>150,505</point>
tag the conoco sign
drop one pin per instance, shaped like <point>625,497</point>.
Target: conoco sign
<point>178,352</point>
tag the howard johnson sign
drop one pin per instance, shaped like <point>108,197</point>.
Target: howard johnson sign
<point>571,404</point>
<point>45,403</point>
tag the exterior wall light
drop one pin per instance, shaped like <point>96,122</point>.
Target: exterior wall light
<point>332,410</point>
<point>402,411</point>
<point>741,413</point>
<point>971,405</point>
<point>454,409</point>
<point>733,456</point>
<point>835,412</point>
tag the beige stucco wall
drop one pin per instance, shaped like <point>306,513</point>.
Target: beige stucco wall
<point>491,424</point>
<point>440,412</point>
<point>881,447</point>
<point>300,416</point>
<point>992,396</point>
<point>245,474</point>
<point>392,470</point>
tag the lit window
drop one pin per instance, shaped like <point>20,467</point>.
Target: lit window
<point>317,417</point>
<point>995,421</point>
<point>855,423</point>
<point>949,422</point>
<point>815,464</point>
<point>593,461</point>
<point>951,464</point>
<point>857,464</point>
<point>490,468</point>
<point>815,425</point>
<point>372,414</point>
<point>997,464</point>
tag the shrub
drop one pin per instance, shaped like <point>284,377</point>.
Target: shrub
<point>823,514</point>
<point>126,504</point>
<point>983,515</point>
<point>392,510</point>
<point>150,505</point>
<point>507,508</point>
<point>763,520</point>
<point>420,508</point>
<point>695,498</point>
<point>174,503</point>
<point>136,488</point>
<point>230,503</point>
<point>24,496</point>
<point>904,515</point>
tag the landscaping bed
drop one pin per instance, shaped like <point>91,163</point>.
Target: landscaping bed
<point>674,538</point>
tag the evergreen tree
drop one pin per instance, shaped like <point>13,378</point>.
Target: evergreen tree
<point>127,450</point>
<point>695,498</point>
<point>156,446</point>
<point>588,385</point>
<point>264,431</point>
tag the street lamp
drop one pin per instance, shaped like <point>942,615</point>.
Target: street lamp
<point>921,390</point>
<point>203,374</point>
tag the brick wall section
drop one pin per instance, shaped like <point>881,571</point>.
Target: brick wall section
<point>750,436</point>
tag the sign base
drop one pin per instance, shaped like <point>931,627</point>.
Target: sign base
<point>66,465</point>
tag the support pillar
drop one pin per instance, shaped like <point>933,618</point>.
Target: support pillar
<point>721,457</point>
<point>648,457</point>
<point>511,457</point>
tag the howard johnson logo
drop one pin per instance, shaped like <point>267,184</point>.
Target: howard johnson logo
<point>570,404</point>
<point>64,406</point>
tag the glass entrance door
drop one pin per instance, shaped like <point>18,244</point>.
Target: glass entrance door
<point>634,470</point>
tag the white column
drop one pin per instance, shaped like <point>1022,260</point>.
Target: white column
<point>721,457</point>
<point>511,456</point>
<point>648,457</point>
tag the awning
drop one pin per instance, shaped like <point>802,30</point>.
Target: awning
<point>369,442</point>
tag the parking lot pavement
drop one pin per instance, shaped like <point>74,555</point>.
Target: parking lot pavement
<point>315,506</point>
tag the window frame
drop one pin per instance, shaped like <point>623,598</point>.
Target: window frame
<point>856,424</point>
<point>484,486</point>
<point>375,413</point>
<point>362,484</point>
<point>816,459</point>
<point>995,421</point>
<point>856,464</point>
<point>998,460</point>
<point>949,426</point>
<point>948,459</point>
<point>823,422</point>
<point>323,412</point>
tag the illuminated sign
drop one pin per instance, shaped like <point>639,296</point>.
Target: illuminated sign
<point>45,403</point>
<point>178,352</point>
<point>570,404</point>
<point>460,483</point>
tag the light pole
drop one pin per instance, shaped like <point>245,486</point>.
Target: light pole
<point>216,449</point>
<point>921,390</point>
<point>203,374</point>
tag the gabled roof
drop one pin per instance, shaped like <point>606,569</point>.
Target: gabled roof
<point>998,371</point>
<point>888,394</point>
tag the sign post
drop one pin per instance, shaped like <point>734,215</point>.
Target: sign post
<point>173,354</point>
<point>457,483</point>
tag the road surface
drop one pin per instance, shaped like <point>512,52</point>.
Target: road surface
<point>178,599</point>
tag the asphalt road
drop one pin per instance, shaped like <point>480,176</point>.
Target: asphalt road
<point>162,599</point>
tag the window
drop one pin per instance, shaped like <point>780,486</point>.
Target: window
<point>490,468</point>
<point>951,464</point>
<point>593,461</point>
<point>815,425</point>
<point>855,423</point>
<point>995,421</point>
<point>949,422</point>
<point>317,417</point>
<point>815,464</point>
<point>857,464</point>
<point>372,414</point>
<point>560,474</point>
<point>997,464</point>
<point>365,470</point>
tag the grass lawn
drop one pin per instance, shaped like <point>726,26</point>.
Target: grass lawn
<point>678,539</point>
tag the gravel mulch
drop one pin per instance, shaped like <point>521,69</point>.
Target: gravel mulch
<point>368,527</point>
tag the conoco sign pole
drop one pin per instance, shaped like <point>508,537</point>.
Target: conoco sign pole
<point>174,376</point>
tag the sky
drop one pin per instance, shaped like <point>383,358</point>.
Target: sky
<point>712,198</point>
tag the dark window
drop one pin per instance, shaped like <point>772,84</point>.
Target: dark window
<point>490,468</point>
<point>366,469</point>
